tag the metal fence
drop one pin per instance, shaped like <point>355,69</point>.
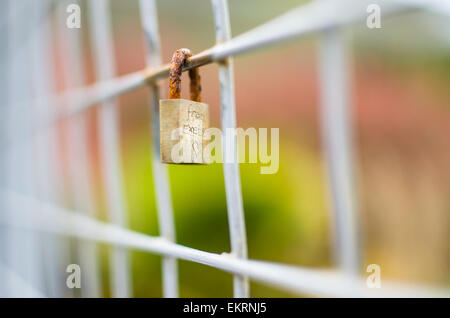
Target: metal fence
<point>31,199</point>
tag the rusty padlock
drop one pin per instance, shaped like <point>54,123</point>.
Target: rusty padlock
<point>182,121</point>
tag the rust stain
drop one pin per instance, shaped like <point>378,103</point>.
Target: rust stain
<point>179,59</point>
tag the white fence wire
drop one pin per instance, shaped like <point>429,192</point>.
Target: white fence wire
<point>26,212</point>
<point>230,170</point>
<point>104,61</point>
<point>160,174</point>
<point>77,136</point>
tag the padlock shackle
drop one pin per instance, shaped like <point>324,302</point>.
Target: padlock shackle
<point>179,58</point>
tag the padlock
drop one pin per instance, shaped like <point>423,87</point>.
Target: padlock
<point>182,121</point>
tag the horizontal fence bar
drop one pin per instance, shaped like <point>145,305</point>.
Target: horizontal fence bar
<point>313,17</point>
<point>59,220</point>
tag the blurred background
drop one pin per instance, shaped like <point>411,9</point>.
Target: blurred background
<point>401,120</point>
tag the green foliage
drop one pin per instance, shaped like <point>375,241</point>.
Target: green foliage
<point>285,217</point>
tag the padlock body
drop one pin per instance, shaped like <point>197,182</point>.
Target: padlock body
<point>182,124</point>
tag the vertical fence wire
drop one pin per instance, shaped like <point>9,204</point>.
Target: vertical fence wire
<point>160,173</point>
<point>81,187</point>
<point>3,102</point>
<point>337,139</point>
<point>55,252</point>
<point>235,208</point>
<point>103,51</point>
<point>23,251</point>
